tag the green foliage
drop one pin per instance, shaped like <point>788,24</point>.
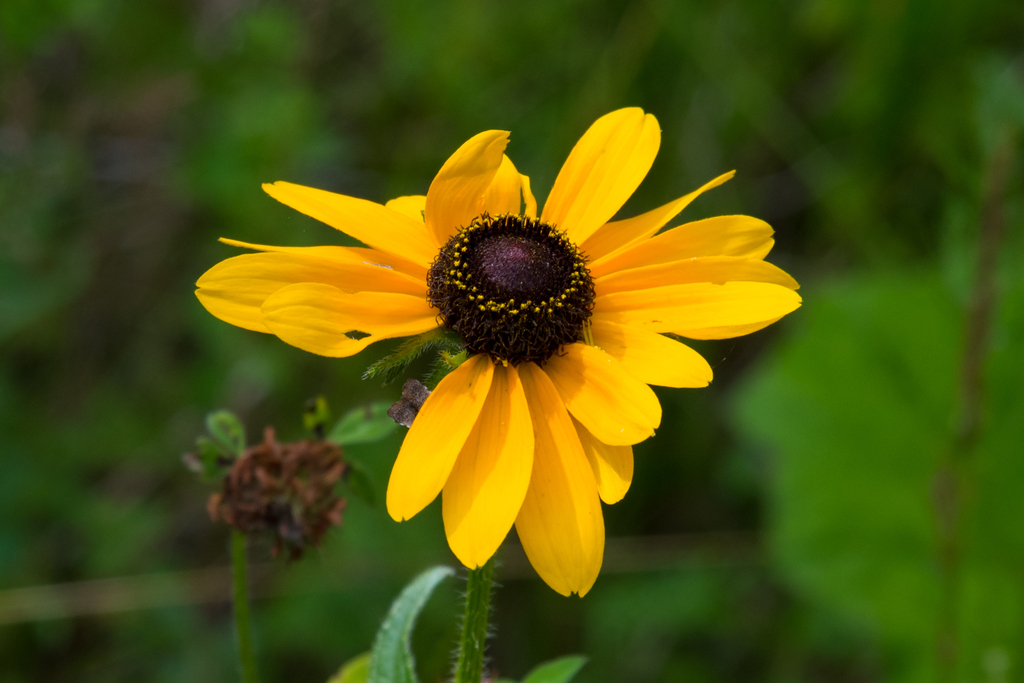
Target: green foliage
<point>859,409</point>
<point>360,481</point>
<point>213,456</point>
<point>391,659</point>
<point>355,670</point>
<point>227,430</point>
<point>213,460</point>
<point>364,424</point>
<point>556,671</point>
<point>134,134</point>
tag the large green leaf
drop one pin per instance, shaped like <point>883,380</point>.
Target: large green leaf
<point>858,411</point>
<point>391,660</point>
<point>364,424</point>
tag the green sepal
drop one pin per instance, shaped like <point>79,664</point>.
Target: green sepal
<point>354,670</point>
<point>557,670</point>
<point>454,360</point>
<point>391,660</point>
<point>446,362</point>
<point>363,425</point>
<point>227,430</point>
<point>390,367</point>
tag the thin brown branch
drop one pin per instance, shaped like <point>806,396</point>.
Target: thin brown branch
<point>983,295</point>
<point>970,404</point>
<point>213,584</point>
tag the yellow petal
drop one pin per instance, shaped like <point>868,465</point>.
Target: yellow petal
<point>727,331</point>
<point>602,171</point>
<point>317,317</point>
<point>368,222</point>
<point>612,465</point>
<point>693,309</point>
<point>715,269</point>
<point>413,206</point>
<point>235,289</point>
<point>614,405</point>
<point>560,522</point>
<point>528,198</point>
<point>616,235</point>
<point>371,257</point>
<point>437,435</point>
<point>486,487</point>
<point>741,236</point>
<point>650,357</point>
<point>455,196</point>
<point>504,195</point>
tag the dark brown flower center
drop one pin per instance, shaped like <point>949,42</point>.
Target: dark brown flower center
<point>513,287</point>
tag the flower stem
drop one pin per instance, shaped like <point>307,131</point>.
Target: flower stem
<point>241,598</point>
<point>470,664</point>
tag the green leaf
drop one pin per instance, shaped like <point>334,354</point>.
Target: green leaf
<point>355,670</point>
<point>316,415</point>
<point>391,660</point>
<point>390,367</point>
<point>363,425</point>
<point>557,670</point>
<point>214,458</point>
<point>227,430</point>
<point>360,483</point>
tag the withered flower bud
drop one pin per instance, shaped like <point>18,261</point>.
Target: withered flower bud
<point>284,488</point>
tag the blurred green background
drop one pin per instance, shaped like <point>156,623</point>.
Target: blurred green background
<point>844,503</point>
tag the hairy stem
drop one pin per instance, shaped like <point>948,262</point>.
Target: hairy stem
<point>470,664</point>
<point>241,598</point>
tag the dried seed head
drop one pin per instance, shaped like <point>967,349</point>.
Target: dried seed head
<point>286,489</point>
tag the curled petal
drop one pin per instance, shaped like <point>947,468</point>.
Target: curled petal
<point>455,196</point>
<point>235,289</point>
<point>504,195</point>
<point>324,320</point>
<point>412,206</point>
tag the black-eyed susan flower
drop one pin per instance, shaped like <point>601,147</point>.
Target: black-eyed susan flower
<point>565,317</point>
